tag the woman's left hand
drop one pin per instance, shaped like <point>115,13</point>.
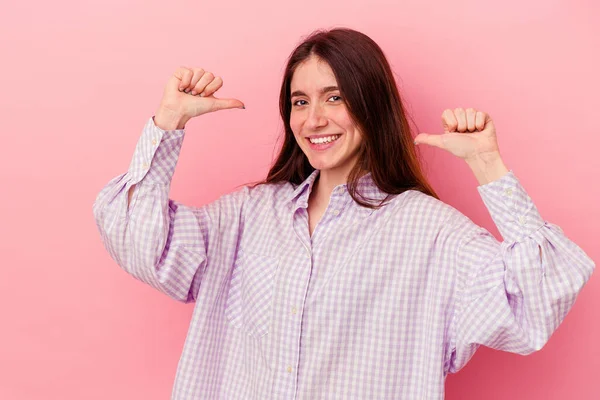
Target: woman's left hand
<point>468,134</point>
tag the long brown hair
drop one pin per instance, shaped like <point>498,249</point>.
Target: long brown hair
<point>367,85</point>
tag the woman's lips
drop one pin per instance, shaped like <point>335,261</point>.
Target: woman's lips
<point>322,146</point>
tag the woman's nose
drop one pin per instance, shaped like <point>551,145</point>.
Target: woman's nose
<point>317,117</point>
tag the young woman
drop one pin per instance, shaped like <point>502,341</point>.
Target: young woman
<point>342,275</point>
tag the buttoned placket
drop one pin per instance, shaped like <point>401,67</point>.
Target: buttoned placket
<point>286,369</point>
<point>290,354</point>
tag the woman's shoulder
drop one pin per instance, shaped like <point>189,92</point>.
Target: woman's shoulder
<point>259,191</point>
<point>275,191</point>
<point>418,200</point>
<point>425,208</point>
<point>260,195</point>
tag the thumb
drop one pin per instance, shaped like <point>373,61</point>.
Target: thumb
<point>223,104</point>
<point>431,140</point>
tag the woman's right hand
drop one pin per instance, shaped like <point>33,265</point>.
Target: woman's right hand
<point>188,94</point>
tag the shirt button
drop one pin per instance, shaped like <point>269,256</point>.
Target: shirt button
<point>294,310</point>
<point>522,220</point>
<point>508,192</point>
<point>336,212</point>
<point>289,369</point>
<point>154,142</point>
<point>145,165</point>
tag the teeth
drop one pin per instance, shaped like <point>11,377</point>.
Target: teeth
<point>322,140</point>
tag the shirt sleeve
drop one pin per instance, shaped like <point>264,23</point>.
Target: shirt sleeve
<point>512,295</point>
<point>157,240</point>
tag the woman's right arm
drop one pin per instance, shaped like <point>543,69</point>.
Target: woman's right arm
<point>156,239</point>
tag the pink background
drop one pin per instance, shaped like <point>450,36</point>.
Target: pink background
<point>80,79</point>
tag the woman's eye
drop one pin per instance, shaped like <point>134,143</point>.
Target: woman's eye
<point>297,102</point>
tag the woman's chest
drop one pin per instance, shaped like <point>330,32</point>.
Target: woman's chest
<point>365,261</point>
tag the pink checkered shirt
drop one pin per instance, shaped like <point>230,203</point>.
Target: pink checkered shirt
<point>375,305</point>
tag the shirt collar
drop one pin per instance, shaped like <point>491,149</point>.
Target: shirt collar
<point>301,188</point>
<point>365,186</point>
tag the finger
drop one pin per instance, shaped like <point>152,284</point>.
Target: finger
<point>198,74</point>
<point>201,84</point>
<point>431,140</point>
<point>470,114</point>
<point>212,87</point>
<point>461,118</point>
<point>449,121</point>
<point>222,104</point>
<point>185,75</point>
<point>480,119</point>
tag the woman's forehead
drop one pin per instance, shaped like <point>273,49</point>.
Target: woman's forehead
<point>312,75</point>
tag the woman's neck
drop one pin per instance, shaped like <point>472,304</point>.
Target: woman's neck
<point>325,183</point>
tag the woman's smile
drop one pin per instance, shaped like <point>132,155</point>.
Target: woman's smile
<point>323,143</point>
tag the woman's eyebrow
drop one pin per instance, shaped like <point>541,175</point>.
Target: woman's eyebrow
<point>323,91</point>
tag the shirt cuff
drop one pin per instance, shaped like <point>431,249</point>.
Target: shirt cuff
<point>511,208</point>
<point>156,154</point>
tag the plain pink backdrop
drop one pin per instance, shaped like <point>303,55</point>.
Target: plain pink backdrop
<point>80,79</point>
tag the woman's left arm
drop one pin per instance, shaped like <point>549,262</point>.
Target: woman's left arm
<point>511,295</point>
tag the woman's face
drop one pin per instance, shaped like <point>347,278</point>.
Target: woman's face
<point>319,113</point>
